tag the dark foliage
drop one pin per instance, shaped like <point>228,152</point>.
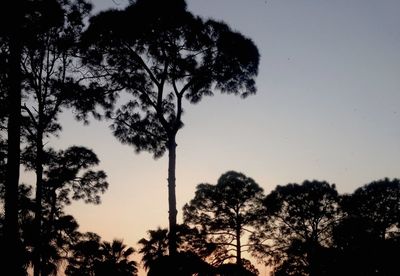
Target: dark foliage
<point>51,81</point>
<point>161,55</point>
<point>190,243</point>
<point>367,241</point>
<point>182,264</point>
<point>91,257</point>
<point>296,224</point>
<point>226,212</point>
<point>235,270</point>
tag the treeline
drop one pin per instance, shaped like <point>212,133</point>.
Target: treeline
<point>156,55</point>
<point>296,229</point>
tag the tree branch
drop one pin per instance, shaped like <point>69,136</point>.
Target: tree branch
<point>24,107</point>
<point>143,64</point>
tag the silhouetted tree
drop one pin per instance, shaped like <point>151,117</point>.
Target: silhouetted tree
<point>26,207</point>
<point>247,265</point>
<point>84,255</point>
<point>25,221</point>
<point>226,211</point>
<point>116,260</point>
<point>379,204</point>
<point>67,176</point>
<point>367,240</point>
<point>57,238</point>
<point>25,218</point>
<point>153,248</point>
<point>44,21</point>
<point>297,222</point>
<point>91,257</point>
<point>11,39</point>
<point>194,242</point>
<point>181,264</point>
<point>192,248</point>
<point>52,81</point>
<point>161,54</point>
<point>230,269</point>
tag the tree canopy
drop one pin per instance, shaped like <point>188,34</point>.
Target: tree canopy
<point>297,222</point>
<point>226,211</point>
<point>161,54</point>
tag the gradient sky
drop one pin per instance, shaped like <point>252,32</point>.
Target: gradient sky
<point>327,108</point>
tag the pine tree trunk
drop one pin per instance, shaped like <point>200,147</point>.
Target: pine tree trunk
<point>38,202</point>
<point>238,247</point>
<point>172,246</point>
<point>11,230</point>
<point>312,263</point>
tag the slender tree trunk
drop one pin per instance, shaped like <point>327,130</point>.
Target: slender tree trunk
<point>311,263</point>
<point>172,247</point>
<point>12,258</point>
<point>312,256</point>
<point>37,254</point>
<point>238,246</point>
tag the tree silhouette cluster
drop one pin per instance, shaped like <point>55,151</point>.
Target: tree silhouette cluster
<point>297,229</point>
<point>156,52</point>
<point>138,67</point>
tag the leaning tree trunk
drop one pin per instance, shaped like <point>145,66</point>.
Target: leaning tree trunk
<point>12,257</point>
<point>172,246</point>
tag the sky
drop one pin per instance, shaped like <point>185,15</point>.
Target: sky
<point>327,108</point>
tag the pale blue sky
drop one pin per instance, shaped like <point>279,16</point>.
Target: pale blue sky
<point>327,108</point>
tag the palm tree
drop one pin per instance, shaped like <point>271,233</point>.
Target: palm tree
<point>190,259</point>
<point>94,258</point>
<point>116,260</point>
<point>155,247</point>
